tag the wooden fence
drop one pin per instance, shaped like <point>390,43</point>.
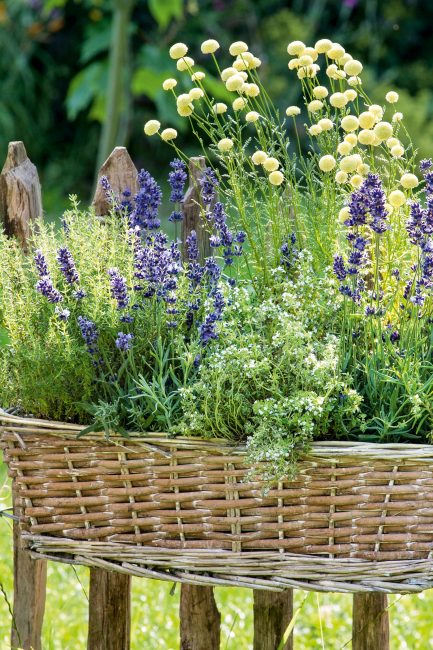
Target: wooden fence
<point>110,592</point>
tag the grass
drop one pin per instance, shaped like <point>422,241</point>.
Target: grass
<point>155,610</point>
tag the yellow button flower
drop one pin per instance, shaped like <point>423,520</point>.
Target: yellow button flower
<point>350,94</point>
<point>350,163</point>
<point>225,144</point>
<point>383,130</point>
<point>239,103</point>
<point>168,134</point>
<point>237,48</point>
<point>186,63</point>
<point>185,111</point>
<point>320,92</point>
<point>271,164</point>
<point>397,151</point>
<point>392,142</point>
<point>367,120</point>
<point>219,108</point>
<point>327,163</point>
<point>352,138</point>
<point>305,59</point>
<point>259,157</point>
<point>336,51</point>
<point>151,127</point>
<point>315,129</point>
<point>210,46</point>
<point>183,100</point>
<point>293,64</point>
<point>376,110</point>
<point>178,50</point>
<point>409,181</point>
<point>252,90</point>
<point>325,124</point>
<point>344,148</point>
<point>323,45</point>
<point>252,116</point>
<point>391,97</point>
<point>354,81</point>
<point>353,68</point>
<point>295,47</point>
<point>234,83</point>
<point>363,169</point>
<point>349,123</point>
<point>366,136</point>
<point>276,178</point>
<point>397,198</point>
<point>338,100</point>
<point>292,110</point>
<point>198,76</point>
<point>356,181</point>
<point>169,84</point>
<point>315,105</point>
<point>240,65</point>
<point>196,93</point>
<point>344,214</point>
<point>397,117</point>
<point>228,72</point>
<point>341,177</point>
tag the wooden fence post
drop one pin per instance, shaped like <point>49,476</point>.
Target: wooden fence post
<point>273,612</point>
<point>200,620</point>
<point>20,205</point>
<point>110,591</point>
<point>370,622</point>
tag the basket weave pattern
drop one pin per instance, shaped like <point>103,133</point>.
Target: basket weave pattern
<point>358,517</point>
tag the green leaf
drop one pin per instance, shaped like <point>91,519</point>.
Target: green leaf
<point>85,87</point>
<point>4,337</point>
<point>96,40</point>
<point>148,82</point>
<point>164,11</point>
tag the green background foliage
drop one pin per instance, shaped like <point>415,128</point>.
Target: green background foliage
<point>56,65</point>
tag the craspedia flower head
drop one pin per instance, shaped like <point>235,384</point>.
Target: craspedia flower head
<point>185,111</point>
<point>350,94</point>
<point>383,130</point>
<point>344,148</point>
<point>219,108</point>
<point>252,90</point>
<point>409,181</point>
<point>315,130</point>
<point>327,163</point>
<point>336,51</point>
<point>354,81</point>
<point>356,181</point>
<point>292,111</point>
<point>195,94</point>
<point>228,72</point>
<point>198,76</point>
<point>295,47</point>
<point>252,116</point>
<point>366,136</point>
<point>151,127</point>
<point>238,47</point>
<point>178,50</point>
<point>350,163</point>
<point>276,178</point>
<point>183,100</point>
<point>344,213</point>
<point>396,198</point>
<point>314,106</point>
<point>239,103</point>
<point>397,151</point>
<point>326,124</point>
<point>185,63</point>
<point>349,123</point>
<point>320,92</point>
<point>338,100</point>
<point>305,59</point>
<point>397,117</point>
<point>352,138</point>
<point>235,82</point>
<point>391,97</point>
<point>341,177</point>
<point>376,110</point>
<point>259,157</point>
<point>168,134</point>
<point>225,144</point>
<point>353,68</point>
<point>169,84</point>
<point>270,164</point>
<point>363,169</point>
<point>323,45</point>
<point>392,142</point>
<point>210,46</point>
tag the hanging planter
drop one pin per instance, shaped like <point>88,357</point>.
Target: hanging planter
<point>357,518</point>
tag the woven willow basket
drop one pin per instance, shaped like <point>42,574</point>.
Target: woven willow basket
<point>359,517</point>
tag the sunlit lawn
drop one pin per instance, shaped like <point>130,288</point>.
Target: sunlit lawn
<point>155,610</point>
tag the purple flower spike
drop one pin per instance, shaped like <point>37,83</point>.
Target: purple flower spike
<point>124,341</point>
<point>119,290</point>
<point>67,265</point>
<point>177,179</point>
<point>89,332</point>
<point>47,289</point>
<point>41,263</point>
<point>208,183</point>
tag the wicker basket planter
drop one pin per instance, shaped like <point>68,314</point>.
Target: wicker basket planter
<point>359,517</point>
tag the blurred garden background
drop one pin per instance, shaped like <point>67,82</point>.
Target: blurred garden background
<point>60,57</point>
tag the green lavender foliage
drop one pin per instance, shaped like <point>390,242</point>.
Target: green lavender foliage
<point>273,378</point>
<point>45,367</point>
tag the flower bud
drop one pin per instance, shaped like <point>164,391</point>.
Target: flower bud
<point>271,164</point>
<point>238,47</point>
<point>259,157</point>
<point>320,92</point>
<point>225,144</point>
<point>178,50</point>
<point>186,63</point>
<point>168,84</point>
<point>409,181</point>
<point>252,116</point>
<point>349,123</point>
<point>210,46</point>
<point>327,163</point>
<point>397,198</point>
<point>292,110</point>
<point>353,68</point>
<point>391,97</point>
<point>168,134</point>
<point>151,127</point>
<point>295,47</point>
<point>276,178</point>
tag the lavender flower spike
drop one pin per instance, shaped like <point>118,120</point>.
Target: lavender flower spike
<point>124,341</point>
<point>67,265</point>
<point>41,263</point>
<point>89,332</point>
<point>119,290</point>
<point>208,183</point>
<point>177,179</point>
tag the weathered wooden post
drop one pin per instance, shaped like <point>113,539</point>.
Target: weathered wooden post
<point>273,612</point>
<point>20,206</point>
<point>370,622</point>
<point>200,620</point>
<point>110,591</point>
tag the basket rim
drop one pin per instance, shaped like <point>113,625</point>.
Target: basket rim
<point>422,453</point>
